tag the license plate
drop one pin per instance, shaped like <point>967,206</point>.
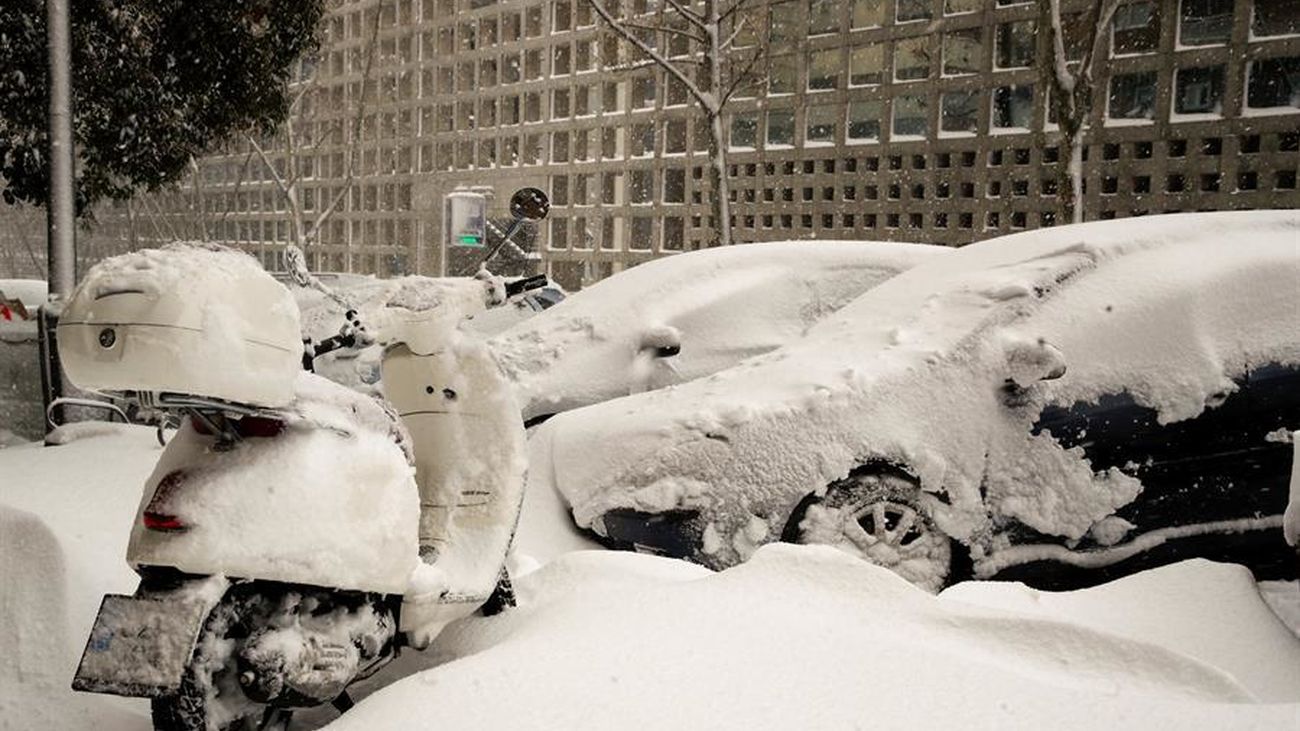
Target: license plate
<point>139,646</point>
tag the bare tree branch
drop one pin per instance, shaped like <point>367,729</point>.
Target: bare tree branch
<point>733,9</point>
<point>743,76</point>
<point>705,100</point>
<point>266,162</point>
<point>691,16</point>
<point>665,29</point>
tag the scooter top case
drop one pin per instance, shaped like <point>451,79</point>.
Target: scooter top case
<point>188,319</point>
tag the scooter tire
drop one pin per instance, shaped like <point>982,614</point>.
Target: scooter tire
<point>502,597</point>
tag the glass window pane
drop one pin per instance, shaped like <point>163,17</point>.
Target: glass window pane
<point>1015,44</point>
<point>963,51</point>
<point>821,123</point>
<point>912,59</point>
<point>1136,29</point>
<point>867,13</point>
<point>1204,22</point>
<point>824,69</point>
<point>866,64</point>
<point>1013,107</point>
<point>1199,91</point>
<point>1275,18</point>
<point>960,112</point>
<point>911,116</point>
<point>1133,96</point>
<point>913,10</point>
<point>954,7</point>
<point>783,24</point>
<point>864,120</point>
<point>744,130</point>
<point>823,17</point>
<point>1274,83</point>
<point>782,75</point>
<point>780,128</point>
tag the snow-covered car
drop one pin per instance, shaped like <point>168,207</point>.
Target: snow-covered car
<point>678,318</point>
<point>1058,406</point>
<point>20,298</point>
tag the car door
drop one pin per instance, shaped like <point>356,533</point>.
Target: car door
<point>1220,466</point>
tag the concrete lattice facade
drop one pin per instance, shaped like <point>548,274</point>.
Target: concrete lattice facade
<point>910,120</point>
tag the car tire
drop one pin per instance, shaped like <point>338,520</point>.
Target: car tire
<point>877,514</point>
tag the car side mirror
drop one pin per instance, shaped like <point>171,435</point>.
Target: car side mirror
<point>663,341</point>
<point>1031,361</point>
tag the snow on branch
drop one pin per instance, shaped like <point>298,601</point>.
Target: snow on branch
<point>708,101</point>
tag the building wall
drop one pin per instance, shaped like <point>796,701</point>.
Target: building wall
<point>864,124</point>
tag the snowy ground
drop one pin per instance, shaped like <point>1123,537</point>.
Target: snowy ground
<point>797,637</point>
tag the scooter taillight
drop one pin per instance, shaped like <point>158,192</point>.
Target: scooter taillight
<point>259,426</point>
<point>163,522</point>
<point>156,514</point>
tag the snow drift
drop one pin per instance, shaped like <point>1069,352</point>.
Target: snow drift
<point>803,637</point>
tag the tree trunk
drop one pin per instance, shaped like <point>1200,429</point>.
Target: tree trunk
<point>719,184</point>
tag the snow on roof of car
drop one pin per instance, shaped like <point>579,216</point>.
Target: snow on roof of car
<point>1167,307</point>
<point>31,292</point>
<point>724,304</point>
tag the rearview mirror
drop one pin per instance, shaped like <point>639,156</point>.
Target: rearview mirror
<point>529,203</point>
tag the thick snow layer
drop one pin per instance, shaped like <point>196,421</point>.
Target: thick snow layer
<point>188,318</point>
<point>806,637</point>
<point>1184,606</point>
<point>65,514</point>
<point>719,305</point>
<point>31,292</point>
<point>910,373</point>
<point>331,499</point>
<point>649,642</point>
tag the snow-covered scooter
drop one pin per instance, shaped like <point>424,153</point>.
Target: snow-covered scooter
<point>295,534</point>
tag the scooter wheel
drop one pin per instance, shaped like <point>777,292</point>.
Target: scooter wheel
<point>188,711</point>
<point>502,597</point>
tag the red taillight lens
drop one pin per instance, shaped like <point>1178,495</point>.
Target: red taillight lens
<point>156,515</point>
<point>163,522</point>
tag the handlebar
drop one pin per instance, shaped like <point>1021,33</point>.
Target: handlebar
<point>520,286</point>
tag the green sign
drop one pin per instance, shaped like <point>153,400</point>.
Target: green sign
<point>470,240</point>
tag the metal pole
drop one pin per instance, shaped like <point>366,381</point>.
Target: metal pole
<point>61,256</point>
<point>61,261</point>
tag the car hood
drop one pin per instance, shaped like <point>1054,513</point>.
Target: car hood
<point>908,373</point>
<point>720,305</point>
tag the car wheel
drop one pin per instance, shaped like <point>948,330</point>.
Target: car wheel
<point>879,517</point>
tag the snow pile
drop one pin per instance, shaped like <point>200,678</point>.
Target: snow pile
<point>805,637</point>
<point>65,514</point>
<point>1209,611</point>
<point>719,305</point>
<point>911,373</point>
